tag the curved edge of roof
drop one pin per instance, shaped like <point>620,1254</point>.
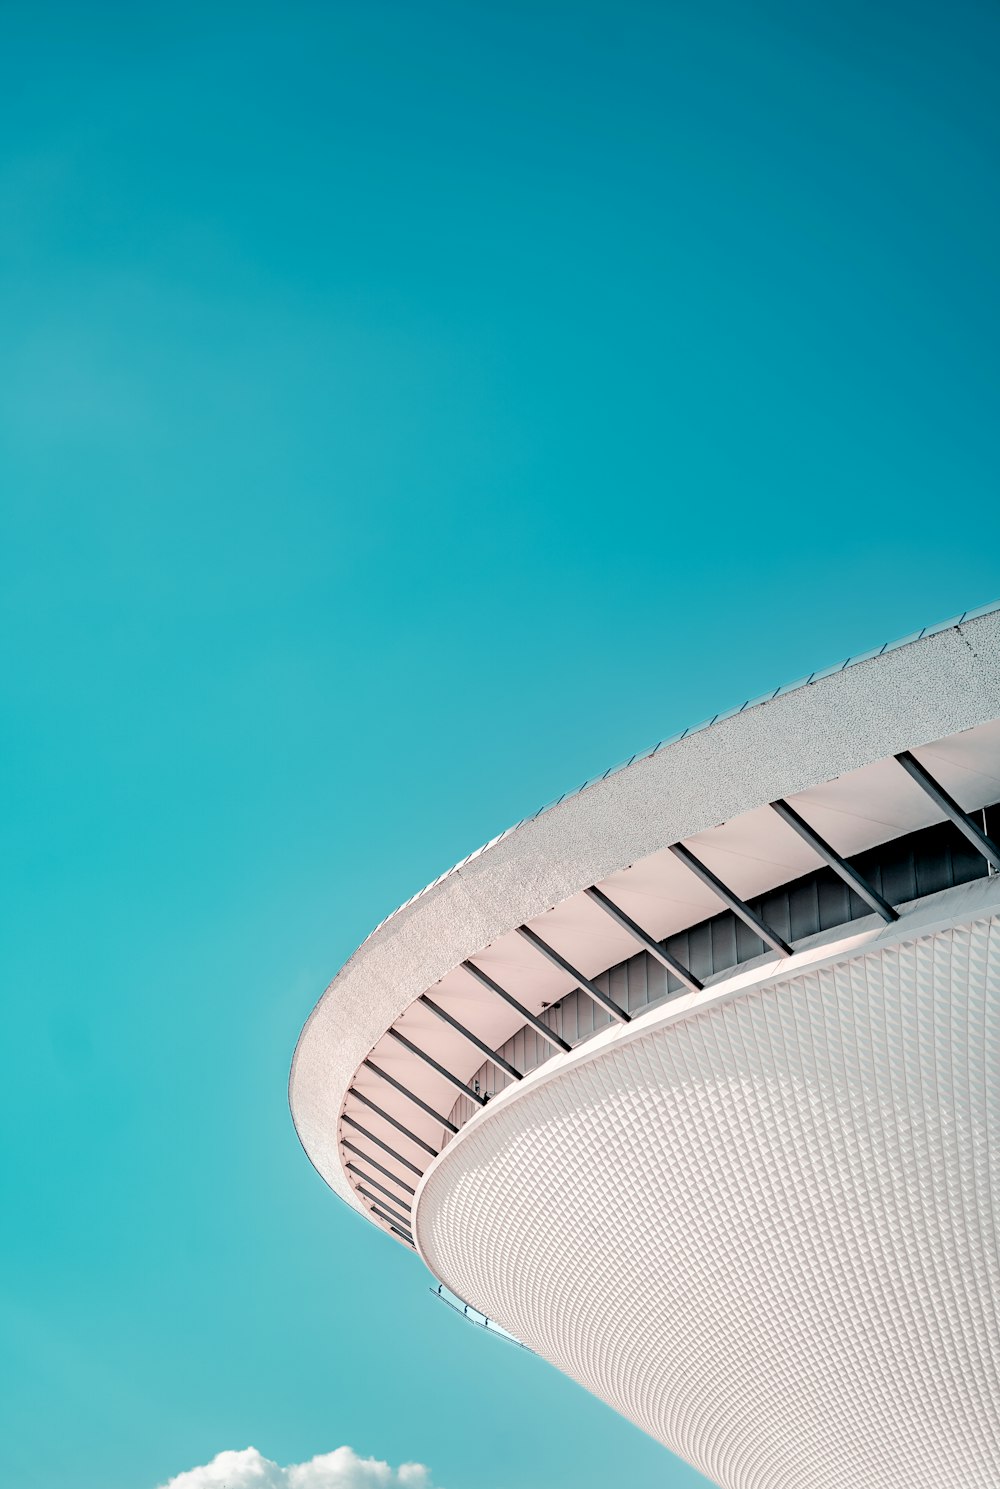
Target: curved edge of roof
<point>791,687</point>
<point>940,680</point>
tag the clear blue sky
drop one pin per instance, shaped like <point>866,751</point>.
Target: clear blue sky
<point>407,411</point>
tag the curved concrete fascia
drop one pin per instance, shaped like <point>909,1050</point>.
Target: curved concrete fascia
<point>962,905</point>
<point>914,695</point>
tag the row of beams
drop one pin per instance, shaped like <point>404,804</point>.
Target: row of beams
<point>380,1144</point>
<point>360,1153</point>
<point>590,988</point>
<point>664,957</point>
<point>400,1226</point>
<point>486,981</point>
<point>410,1095</point>
<point>480,1044</point>
<point>455,1080</point>
<point>367,1178</point>
<point>393,1122</point>
<point>788,814</point>
<point>381,1206</point>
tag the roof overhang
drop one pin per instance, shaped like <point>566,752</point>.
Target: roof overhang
<point>827,746</point>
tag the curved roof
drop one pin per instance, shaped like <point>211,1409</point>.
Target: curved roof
<point>827,743</point>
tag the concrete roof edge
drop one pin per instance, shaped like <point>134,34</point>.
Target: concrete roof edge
<point>954,623</point>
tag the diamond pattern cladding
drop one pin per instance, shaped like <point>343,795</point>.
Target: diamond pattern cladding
<point>766,1233</point>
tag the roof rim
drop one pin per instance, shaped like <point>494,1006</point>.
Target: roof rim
<point>953,623</point>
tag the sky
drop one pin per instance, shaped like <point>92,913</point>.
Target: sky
<point>407,411</point>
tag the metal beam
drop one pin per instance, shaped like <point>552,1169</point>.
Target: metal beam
<point>403,1236</point>
<point>830,856</point>
<point>359,1153</point>
<point>484,980</point>
<point>380,1207</point>
<point>395,1198</point>
<point>394,1206</point>
<point>399,1126</point>
<point>480,1044</point>
<point>398,1086</point>
<point>394,1221</point>
<point>456,1080</point>
<point>665,958</point>
<point>590,988</point>
<point>947,804</point>
<point>726,895</point>
<point>380,1144</point>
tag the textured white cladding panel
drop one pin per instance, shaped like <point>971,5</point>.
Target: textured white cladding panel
<point>767,1232</point>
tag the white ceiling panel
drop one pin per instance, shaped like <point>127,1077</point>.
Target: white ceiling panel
<point>753,853</point>
<point>523,972</point>
<point>870,806</point>
<point>585,935</point>
<point>482,1012</point>
<point>967,765</point>
<point>661,895</point>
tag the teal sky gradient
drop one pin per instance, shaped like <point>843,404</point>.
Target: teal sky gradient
<point>408,410</point>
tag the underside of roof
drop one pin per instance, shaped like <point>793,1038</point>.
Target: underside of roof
<point>454,975</point>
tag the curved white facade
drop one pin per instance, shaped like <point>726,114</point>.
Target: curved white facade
<point>765,1232</point>
<point>750,1199</point>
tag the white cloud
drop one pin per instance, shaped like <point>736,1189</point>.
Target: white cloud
<point>341,1469</point>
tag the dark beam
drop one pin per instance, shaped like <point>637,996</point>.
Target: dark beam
<point>367,1178</point>
<point>456,1080</point>
<point>394,1221</point>
<point>380,1208</point>
<point>590,988</point>
<point>390,1203</point>
<point>947,804</point>
<point>403,1091</point>
<point>480,1044</point>
<point>384,1146</point>
<point>484,980</point>
<point>359,1153</point>
<point>665,958</point>
<point>726,895</point>
<point>399,1126</point>
<point>403,1236</point>
<point>830,856</point>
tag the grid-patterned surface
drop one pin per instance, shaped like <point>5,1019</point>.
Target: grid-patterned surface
<point>766,1233</point>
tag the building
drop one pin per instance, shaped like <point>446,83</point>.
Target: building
<point>692,1080</point>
